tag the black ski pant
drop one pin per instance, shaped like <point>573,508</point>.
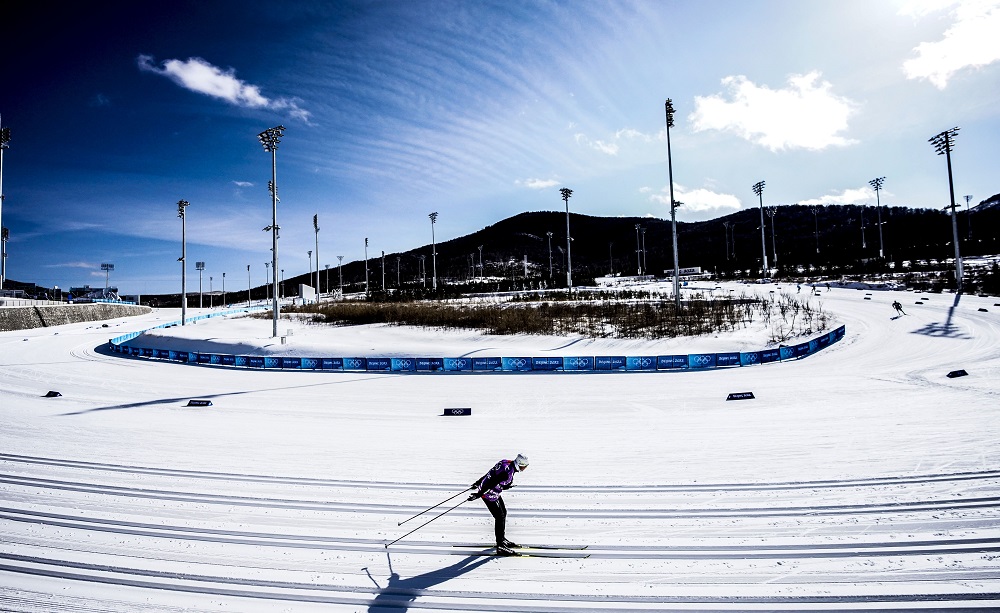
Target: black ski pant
<point>499,512</point>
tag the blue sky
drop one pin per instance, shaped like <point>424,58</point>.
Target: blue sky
<point>476,110</point>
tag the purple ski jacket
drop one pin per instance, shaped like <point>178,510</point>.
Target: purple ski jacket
<point>499,478</point>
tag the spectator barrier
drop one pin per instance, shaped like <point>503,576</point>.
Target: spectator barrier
<point>644,363</point>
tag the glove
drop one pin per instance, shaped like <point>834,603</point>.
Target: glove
<point>474,495</point>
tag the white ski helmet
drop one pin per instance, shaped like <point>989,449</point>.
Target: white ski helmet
<point>521,461</point>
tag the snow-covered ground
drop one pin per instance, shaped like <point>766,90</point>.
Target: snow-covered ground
<point>858,478</point>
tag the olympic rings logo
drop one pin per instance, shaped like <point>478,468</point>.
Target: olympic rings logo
<point>703,360</point>
<point>354,363</point>
<point>518,362</point>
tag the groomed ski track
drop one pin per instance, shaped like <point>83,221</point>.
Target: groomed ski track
<point>858,479</point>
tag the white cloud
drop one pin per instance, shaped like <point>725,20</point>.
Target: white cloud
<point>612,146</point>
<point>598,145</point>
<point>199,76</point>
<point>71,265</point>
<point>804,115</point>
<point>695,200</point>
<point>242,183</point>
<point>538,183</point>
<point>859,195</point>
<point>970,42</point>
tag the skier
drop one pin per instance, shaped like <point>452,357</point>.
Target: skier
<point>898,307</point>
<point>489,487</point>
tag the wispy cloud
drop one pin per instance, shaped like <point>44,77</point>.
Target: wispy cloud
<point>242,183</point>
<point>804,115</point>
<point>71,265</point>
<point>695,200</point>
<point>538,183</point>
<point>100,100</point>
<point>970,42</point>
<point>613,144</point>
<point>861,195</point>
<point>200,76</point>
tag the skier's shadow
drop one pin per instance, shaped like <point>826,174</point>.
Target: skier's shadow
<point>400,593</point>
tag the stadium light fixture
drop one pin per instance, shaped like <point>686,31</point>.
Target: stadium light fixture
<point>876,184</point>
<point>668,108</point>
<point>434,267</point>
<point>200,267</point>
<point>270,138</point>
<point>943,143</point>
<point>4,145</point>
<point>566,193</point>
<point>182,205</point>
<point>758,188</point>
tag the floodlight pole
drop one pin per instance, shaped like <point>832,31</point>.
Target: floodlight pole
<point>758,188</point>
<point>223,289</point>
<point>434,266</point>
<point>316,231</point>
<point>876,183</point>
<point>211,292</point>
<point>367,292</point>
<point>310,269</point>
<point>943,144</point>
<point>549,235</point>
<point>200,267</point>
<point>267,281</point>
<point>248,286</point>
<point>340,270</point>
<point>668,108</point>
<point>815,213</point>
<point>566,193</point>
<point>771,212</point>
<point>181,206</point>
<point>638,252</point>
<point>327,268</point>
<point>968,215</point>
<point>107,268</point>
<point>611,259</point>
<point>270,138</point>
<point>725,226</point>
<point>4,145</point>
<point>481,261</point>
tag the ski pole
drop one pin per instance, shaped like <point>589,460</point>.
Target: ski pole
<point>434,507</point>
<point>426,522</point>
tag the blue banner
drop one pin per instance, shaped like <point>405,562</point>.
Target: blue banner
<point>516,364</point>
<point>355,364</point>
<point>671,362</point>
<point>272,362</point>
<point>241,360</point>
<point>487,364</point>
<point>787,353</point>
<point>404,364</point>
<point>332,363</point>
<point>379,364</point>
<point>640,362</point>
<point>727,359</point>
<point>458,364</point>
<point>255,361</point>
<point>839,333</point>
<point>431,364</point>
<point>802,349</point>
<point>163,354</point>
<point>578,363</point>
<point>546,363</point>
<point>228,360</point>
<point>613,362</point>
<point>750,358</point>
<point>291,363</point>
<point>701,360</point>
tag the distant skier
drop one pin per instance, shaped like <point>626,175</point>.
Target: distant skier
<point>827,287</point>
<point>898,307</point>
<point>489,488</point>
<point>799,287</point>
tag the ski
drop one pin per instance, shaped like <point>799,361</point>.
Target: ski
<point>544,547</point>
<point>532,554</point>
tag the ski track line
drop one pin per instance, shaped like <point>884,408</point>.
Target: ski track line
<point>301,504</point>
<point>435,599</point>
<point>694,487</point>
<point>640,552</point>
